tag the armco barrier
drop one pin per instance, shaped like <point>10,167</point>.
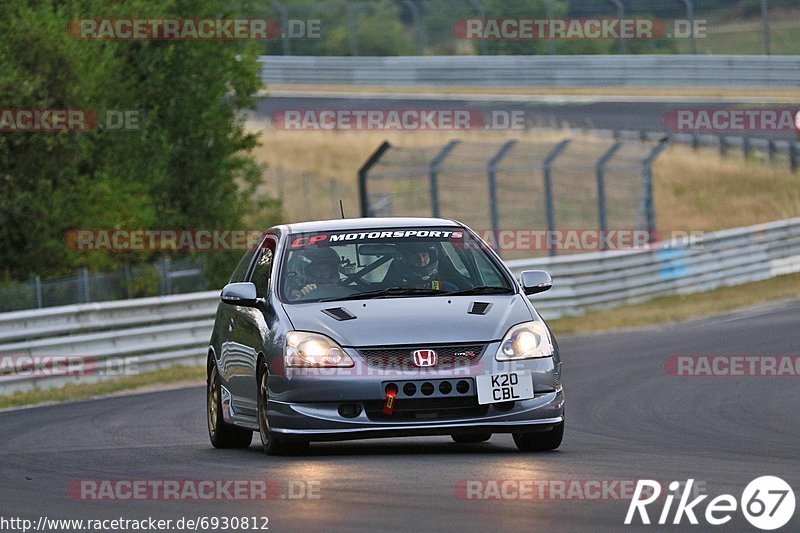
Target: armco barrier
<point>172,330</point>
<point>536,71</point>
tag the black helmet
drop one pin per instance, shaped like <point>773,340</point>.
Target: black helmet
<point>410,255</point>
<point>318,265</point>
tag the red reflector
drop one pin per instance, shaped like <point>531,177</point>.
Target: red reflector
<point>388,405</point>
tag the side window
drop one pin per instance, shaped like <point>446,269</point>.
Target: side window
<point>263,269</point>
<point>240,271</point>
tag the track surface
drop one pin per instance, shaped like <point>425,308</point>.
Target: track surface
<point>624,114</point>
<point>626,419</point>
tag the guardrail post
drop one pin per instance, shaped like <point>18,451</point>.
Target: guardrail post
<point>695,141</point>
<point>723,145</point>
<point>548,192</point>
<point>362,176</point>
<point>433,174</point>
<point>746,147</point>
<point>491,175</point>
<point>647,193</point>
<point>793,156</point>
<point>600,170</point>
<point>771,150</point>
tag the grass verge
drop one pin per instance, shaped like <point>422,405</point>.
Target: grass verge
<point>82,391</point>
<point>674,308</point>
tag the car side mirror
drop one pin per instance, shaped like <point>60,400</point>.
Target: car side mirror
<point>535,281</point>
<point>243,294</point>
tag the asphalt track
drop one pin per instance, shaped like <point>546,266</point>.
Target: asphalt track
<point>614,113</point>
<point>626,419</point>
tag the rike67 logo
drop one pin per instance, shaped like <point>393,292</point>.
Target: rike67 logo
<point>767,503</point>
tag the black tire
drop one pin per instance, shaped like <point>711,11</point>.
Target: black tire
<point>471,438</point>
<point>540,441</point>
<point>274,443</point>
<point>222,434</point>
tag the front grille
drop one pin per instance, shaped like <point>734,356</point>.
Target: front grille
<point>399,357</point>
<point>422,409</point>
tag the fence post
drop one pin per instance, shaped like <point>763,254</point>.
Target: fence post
<point>284,14</point>
<point>647,199</point>
<point>600,171</point>
<point>491,175</point>
<point>433,175</point>
<point>548,191</point>
<point>127,272</point>
<point>623,46</point>
<point>723,145</point>
<point>163,269</point>
<point>690,17</point>
<point>37,287</point>
<point>83,285</point>
<point>362,176</point>
<point>793,159</point>
<point>765,30</point>
<point>746,147</point>
<point>771,149</point>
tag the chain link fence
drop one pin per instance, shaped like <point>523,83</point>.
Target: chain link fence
<point>161,278</point>
<point>568,185</point>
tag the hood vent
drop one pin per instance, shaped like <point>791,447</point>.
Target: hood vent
<point>479,308</point>
<point>339,313</point>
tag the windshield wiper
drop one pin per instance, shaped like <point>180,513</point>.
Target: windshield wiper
<point>391,291</point>
<point>474,291</point>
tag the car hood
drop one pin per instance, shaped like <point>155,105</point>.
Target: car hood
<point>411,320</point>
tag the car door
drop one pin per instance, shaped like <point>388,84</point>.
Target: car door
<point>249,331</point>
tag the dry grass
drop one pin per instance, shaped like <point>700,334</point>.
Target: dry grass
<point>145,382</point>
<point>704,191</point>
<point>694,191</point>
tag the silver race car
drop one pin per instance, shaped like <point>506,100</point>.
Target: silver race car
<point>380,327</point>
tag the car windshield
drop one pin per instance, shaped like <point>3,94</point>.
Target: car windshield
<point>388,263</point>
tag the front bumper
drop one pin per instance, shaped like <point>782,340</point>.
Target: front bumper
<point>322,421</point>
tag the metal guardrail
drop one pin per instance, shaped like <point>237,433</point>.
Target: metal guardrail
<point>536,71</point>
<point>723,258</point>
<point>172,330</point>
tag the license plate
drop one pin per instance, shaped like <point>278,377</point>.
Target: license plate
<point>505,387</point>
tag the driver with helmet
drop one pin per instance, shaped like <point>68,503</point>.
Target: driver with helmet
<point>418,267</point>
<point>317,274</point>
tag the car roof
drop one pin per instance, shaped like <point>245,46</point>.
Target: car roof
<point>344,224</point>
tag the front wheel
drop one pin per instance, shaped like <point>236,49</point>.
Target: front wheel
<point>222,434</point>
<point>274,443</point>
<point>540,441</point>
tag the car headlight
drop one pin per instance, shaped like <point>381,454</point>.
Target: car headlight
<point>314,349</point>
<point>525,341</point>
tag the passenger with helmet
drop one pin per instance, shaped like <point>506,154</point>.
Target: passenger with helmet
<point>316,274</point>
<point>417,266</point>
